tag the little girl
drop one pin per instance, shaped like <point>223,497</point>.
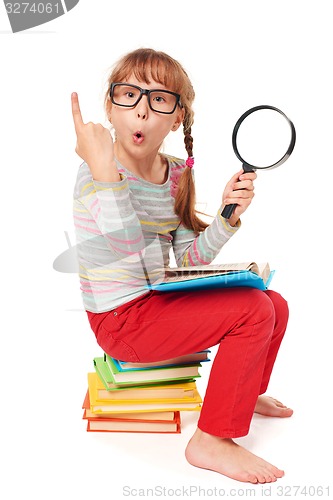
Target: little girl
<point>132,205</point>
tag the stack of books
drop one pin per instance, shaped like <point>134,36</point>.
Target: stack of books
<point>142,397</point>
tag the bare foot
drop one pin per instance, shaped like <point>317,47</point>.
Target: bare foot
<point>271,407</point>
<point>228,458</point>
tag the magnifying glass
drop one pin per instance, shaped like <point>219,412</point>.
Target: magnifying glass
<point>266,137</point>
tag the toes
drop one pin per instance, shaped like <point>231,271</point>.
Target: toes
<point>270,478</point>
<point>259,475</point>
<point>288,412</point>
<point>267,477</point>
<point>261,479</point>
<point>268,474</point>
<point>277,472</point>
<point>251,478</point>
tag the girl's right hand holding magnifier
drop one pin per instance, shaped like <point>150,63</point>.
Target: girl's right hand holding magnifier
<point>240,191</point>
<point>94,145</point>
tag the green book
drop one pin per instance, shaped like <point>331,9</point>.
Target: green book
<point>113,379</point>
<point>159,374</point>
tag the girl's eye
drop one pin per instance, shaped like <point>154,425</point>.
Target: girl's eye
<point>159,99</point>
<point>130,94</point>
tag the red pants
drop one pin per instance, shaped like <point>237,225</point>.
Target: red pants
<point>247,323</point>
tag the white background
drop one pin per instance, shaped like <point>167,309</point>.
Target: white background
<point>254,52</point>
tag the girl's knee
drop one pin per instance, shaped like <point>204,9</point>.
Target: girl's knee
<point>279,303</point>
<point>262,310</point>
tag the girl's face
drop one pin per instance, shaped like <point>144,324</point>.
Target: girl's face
<point>140,131</point>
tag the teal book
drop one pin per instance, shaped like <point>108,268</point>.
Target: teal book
<point>186,359</point>
<point>248,274</point>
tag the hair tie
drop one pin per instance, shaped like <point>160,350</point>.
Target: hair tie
<point>190,162</point>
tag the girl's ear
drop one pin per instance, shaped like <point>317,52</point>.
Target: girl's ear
<point>108,110</point>
<point>179,119</point>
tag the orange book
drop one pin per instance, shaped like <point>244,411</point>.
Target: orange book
<point>154,423</point>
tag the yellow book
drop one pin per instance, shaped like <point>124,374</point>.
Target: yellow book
<point>177,391</point>
<point>147,404</point>
<point>152,415</point>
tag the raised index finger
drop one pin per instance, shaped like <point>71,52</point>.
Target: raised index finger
<point>77,117</point>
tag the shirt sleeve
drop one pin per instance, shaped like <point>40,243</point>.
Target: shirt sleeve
<point>104,209</point>
<point>191,249</point>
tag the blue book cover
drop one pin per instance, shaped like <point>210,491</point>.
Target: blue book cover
<point>189,359</point>
<point>242,278</point>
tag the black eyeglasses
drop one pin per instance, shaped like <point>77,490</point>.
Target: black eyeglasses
<point>128,96</point>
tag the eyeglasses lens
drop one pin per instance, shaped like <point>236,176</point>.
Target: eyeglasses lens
<point>160,101</point>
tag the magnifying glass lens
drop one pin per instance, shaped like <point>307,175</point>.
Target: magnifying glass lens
<point>263,138</point>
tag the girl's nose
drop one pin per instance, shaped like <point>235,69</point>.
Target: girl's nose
<point>142,108</point>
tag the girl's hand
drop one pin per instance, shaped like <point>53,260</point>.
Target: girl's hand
<point>239,190</point>
<point>95,146</point>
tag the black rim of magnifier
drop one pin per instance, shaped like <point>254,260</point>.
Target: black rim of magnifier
<point>247,165</point>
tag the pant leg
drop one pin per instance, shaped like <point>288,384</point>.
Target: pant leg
<point>281,320</point>
<point>247,366</point>
<point>164,325</point>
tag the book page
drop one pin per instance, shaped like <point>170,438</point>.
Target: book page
<point>193,272</point>
<point>264,271</point>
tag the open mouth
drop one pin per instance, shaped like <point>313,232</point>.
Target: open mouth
<point>138,137</point>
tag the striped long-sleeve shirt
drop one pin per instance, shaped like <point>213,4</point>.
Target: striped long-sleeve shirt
<point>125,231</point>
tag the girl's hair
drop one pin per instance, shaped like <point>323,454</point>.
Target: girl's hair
<point>147,65</point>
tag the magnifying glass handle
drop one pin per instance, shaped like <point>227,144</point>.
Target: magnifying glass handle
<point>229,209</point>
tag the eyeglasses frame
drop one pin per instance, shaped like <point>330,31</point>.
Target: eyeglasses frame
<point>146,92</point>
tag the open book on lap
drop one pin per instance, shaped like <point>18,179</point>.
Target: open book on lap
<point>245,274</point>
